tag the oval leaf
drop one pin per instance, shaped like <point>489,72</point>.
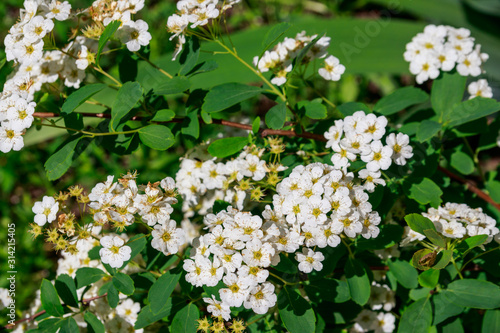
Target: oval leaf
<point>161,290</point>
<point>158,137</point>
<point>185,320</point>
<point>400,99</point>
<point>226,95</point>
<point>358,281</point>
<point>276,116</point>
<point>50,300</point>
<point>296,312</point>
<point>227,146</point>
<point>80,96</point>
<point>128,96</point>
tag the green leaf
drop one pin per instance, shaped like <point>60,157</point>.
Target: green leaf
<point>175,85</point>
<point>462,162</point>
<point>128,96</point>
<point>472,109</point>
<point>227,146</point>
<point>106,35</point>
<point>493,188</point>
<point>87,275</point>
<point>417,317</point>
<point>298,60</point>
<point>66,288</point>
<point>274,34</point>
<point>406,275</point>
<point>184,321</point>
<point>429,278</point>
<point>146,317</point>
<point>469,243</point>
<point>399,100</point>
<point>69,325</point>
<point>358,281</point>
<point>220,205</point>
<point>256,125</point>
<point>419,223</point>
<point>207,118</point>
<point>276,116</point>
<point>191,125</point>
<point>427,129</point>
<point>473,293</point>
<point>447,91</point>
<point>348,109</point>
<point>444,308</point>
<point>491,321</point>
<point>74,121</point>
<point>423,259</point>
<point>163,115</point>
<point>313,110</point>
<point>94,325</point>
<point>62,159</point>
<point>50,300</point>
<point>113,296</point>
<point>189,56</point>
<point>226,95</point>
<point>295,312</point>
<point>328,290</point>
<point>124,283</point>
<point>435,238</point>
<point>286,265</point>
<point>425,191</point>
<point>161,290</point>
<point>158,137</point>
<point>50,325</point>
<point>80,96</point>
<point>443,258</point>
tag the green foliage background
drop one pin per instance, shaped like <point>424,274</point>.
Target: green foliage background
<point>367,35</point>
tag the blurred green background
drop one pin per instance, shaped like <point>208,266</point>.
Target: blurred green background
<point>368,37</point>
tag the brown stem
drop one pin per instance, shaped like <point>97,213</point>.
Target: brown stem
<point>471,186</point>
<point>263,132</point>
<point>38,314</point>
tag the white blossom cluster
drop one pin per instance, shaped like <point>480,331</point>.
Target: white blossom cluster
<point>360,136</point>
<point>236,250</point>
<point>24,45</point>
<point>280,59</point>
<point>378,318</point>
<point>313,206</point>
<point>479,88</point>
<point>443,48</point>
<point>5,298</point>
<point>200,183</point>
<point>454,220</point>
<point>192,14</point>
<point>133,34</point>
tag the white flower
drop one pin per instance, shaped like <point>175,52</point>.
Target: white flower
<point>167,238</point>
<point>372,179</point>
<point>332,70</point>
<point>451,229</point>
<point>447,57</point>
<point>134,34</point>
<point>411,236</point>
<point>254,274</point>
<point>37,28</point>
<point>128,310</point>
<point>58,10</point>
<point>217,308</point>
<point>349,224</point>
<point>5,298</point>
<point>424,67</point>
<point>315,210</point>
<point>309,260</point>
<point>258,253</point>
<point>113,251</point>
<point>385,323</point>
<point>10,139</point>
<point>237,290</point>
<point>400,146</point>
<point>261,298</point>
<point>197,270</point>
<point>480,88</point>
<point>253,167</point>
<point>469,64</point>
<point>45,210</point>
<point>379,157</point>
<point>370,223</point>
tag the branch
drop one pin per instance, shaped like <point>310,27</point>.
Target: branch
<point>471,186</point>
<point>263,132</point>
<point>38,314</point>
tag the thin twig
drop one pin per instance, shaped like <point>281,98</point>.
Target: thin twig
<point>471,186</point>
<point>38,314</point>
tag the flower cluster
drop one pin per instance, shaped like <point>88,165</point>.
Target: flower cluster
<point>280,59</point>
<point>24,45</point>
<point>115,203</point>
<point>479,88</point>
<point>236,250</point>
<point>192,14</point>
<point>200,183</point>
<point>442,48</point>
<point>457,221</point>
<point>361,135</point>
<point>133,34</point>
